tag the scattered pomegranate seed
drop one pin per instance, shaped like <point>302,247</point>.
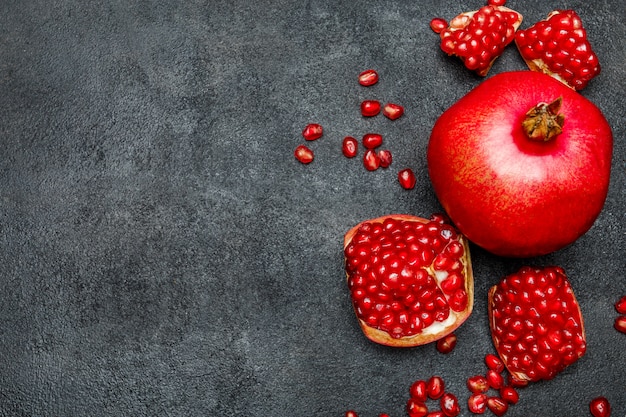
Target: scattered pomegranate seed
<point>312,131</point>
<point>477,403</point>
<point>383,415</point>
<point>620,324</point>
<point>372,140</point>
<point>407,179</point>
<point>477,384</point>
<point>393,111</point>
<point>446,344</point>
<point>436,414</point>
<point>349,147</point>
<point>370,108</point>
<point>449,405</point>
<point>620,305</point>
<point>385,158</point>
<point>496,2</point>
<point>600,407</point>
<point>494,379</point>
<point>304,154</point>
<point>368,77</point>
<point>418,391</point>
<point>416,408</point>
<point>435,387</point>
<point>497,405</point>
<point>438,24</point>
<point>351,413</point>
<point>509,394</point>
<point>371,161</point>
<point>493,362</point>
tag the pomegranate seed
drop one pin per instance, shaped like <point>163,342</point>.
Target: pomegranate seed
<point>351,413</point>
<point>620,305</point>
<point>416,408</point>
<point>418,391</point>
<point>349,147</point>
<point>497,405</point>
<point>435,387</point>
<point>477,403</point>
<point>509,394</point>
<point>493,362</point>
<point>477,384</point>
<point>449,405</point>
<point>407,179</point>
<point>600,407</point>
<point>438,24</point>
<point>383,415</point>
<point>517,383</point>
<point>368,77</point>
<point>312,131</point>
<point>370,108</point>
<point>393,111</point>
<point>372,140</point>
<point>620,324</point>
<point>446,344</point>
<point>494,379</point>
<point>385,158</point>
<point>303,154</point>
<point>436,414</point>
<point>371,161</point>
<point>496,2</point>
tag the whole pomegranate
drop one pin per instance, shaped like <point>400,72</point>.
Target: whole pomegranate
<point>521,164</point>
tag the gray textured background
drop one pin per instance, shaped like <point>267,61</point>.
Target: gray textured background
<point>163,254</point>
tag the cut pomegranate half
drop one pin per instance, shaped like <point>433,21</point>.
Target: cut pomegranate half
<point>410,278</point>
<point>480,36</point>
<point>536,323</point>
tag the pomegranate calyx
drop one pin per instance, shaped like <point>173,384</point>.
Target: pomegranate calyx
<point>544,122</point>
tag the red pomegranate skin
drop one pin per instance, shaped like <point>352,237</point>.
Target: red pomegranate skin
<point>508,194</point>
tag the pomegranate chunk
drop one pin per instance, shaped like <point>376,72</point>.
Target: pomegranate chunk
<point>536,323</point>
<point>395,266</point>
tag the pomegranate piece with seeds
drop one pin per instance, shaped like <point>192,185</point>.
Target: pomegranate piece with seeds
<point>479,37</point>
<point>600,407</point>
<point>303,154</point>
<point>536,323</point>
<point>395,268</point>
<point>558,46</point>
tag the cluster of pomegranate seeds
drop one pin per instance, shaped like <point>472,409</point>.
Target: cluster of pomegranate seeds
<point>408,279</point>
<point>422,391</point>
<point>558,46</point>
<point>311,132</point>
<point>536,323</point>
<point>478,37</point>
<point>479,386</point>
<point>620,321</point>
<point>600,407</point>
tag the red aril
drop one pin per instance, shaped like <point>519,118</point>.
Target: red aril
<point>600,407</point>
<point>385,158</point>
<point>370,108</point>
<point>449,405</point>
<point>312,131</point>
<point>368,77</point>
<point>509,183</point>
<point>494,379</point>
<point>558,46</point>
<point>393,111</point>
<point>372,140</point>
<point>395,265</point>
<point>496,2</point>
<point>438,24</point>
<point>493,362</point>
<point>477,403</point>
<point>497,406</point>
<point>436,414</point>
<point>416,408</point>
<point>620,324</point>
<point>509,394</point>
<point>435,387</point>
<point>371,160</point>
<point>407,179</point>
<point>349,147</point>
<point>351,413</point>
<point>447,343</point>
<point>303,154</point>
<point>479,37</point>
<point>418,391</point>
<point>620,305</point>
<point>536,323</point>
<point>477,384</point>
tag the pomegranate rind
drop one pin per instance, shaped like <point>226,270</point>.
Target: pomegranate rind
<point>519,375</point>
<point>384,338</point>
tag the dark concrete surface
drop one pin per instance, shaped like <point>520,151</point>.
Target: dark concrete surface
<point>163,254</point>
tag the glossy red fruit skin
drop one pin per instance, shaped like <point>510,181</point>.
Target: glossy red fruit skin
<point>600,407</point>
<point>512,196</point>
